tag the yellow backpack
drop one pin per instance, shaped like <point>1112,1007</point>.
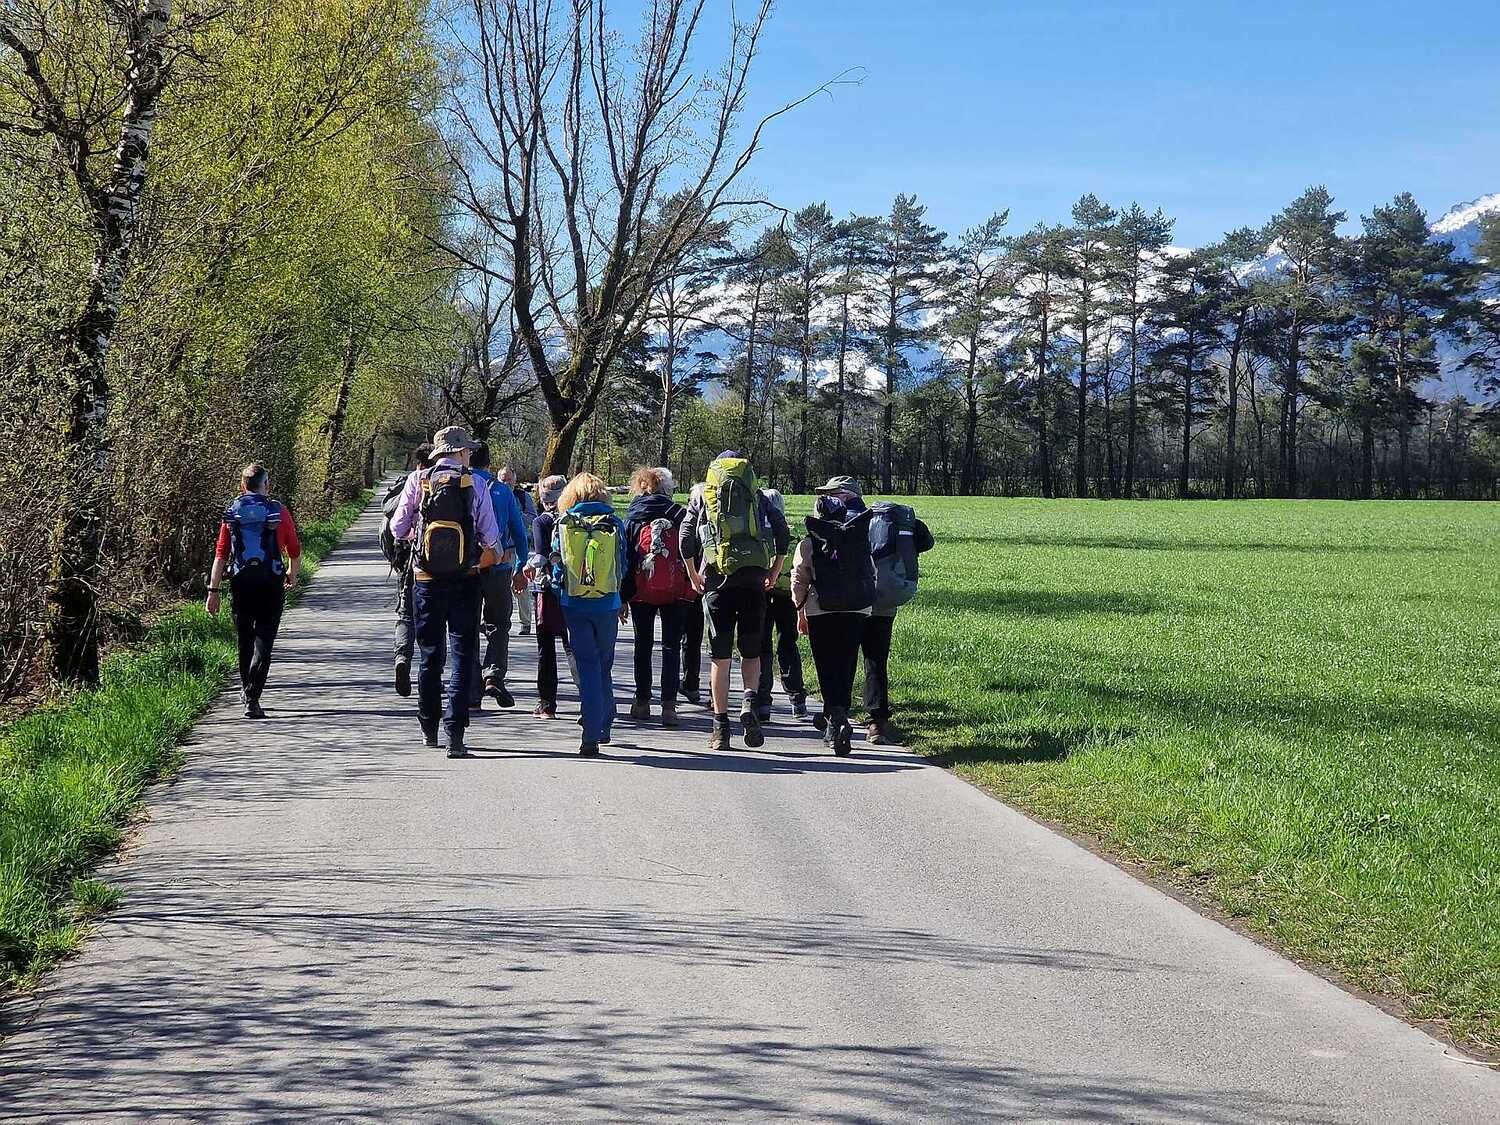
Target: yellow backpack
<point>590,549</point>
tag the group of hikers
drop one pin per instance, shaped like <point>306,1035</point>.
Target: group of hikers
<point>473,549</point>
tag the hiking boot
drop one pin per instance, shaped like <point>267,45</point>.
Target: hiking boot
<point>253,711</point>
<point>455,743</point>
<point>544,710</point>
<point>669,715</point>
<point>718,738</point>
<point>587,749</point>
<point>499,693</point>
<point>799,708</point>
<point>403,678</point>
<point>429,734</point>
<point>750,721</point>
<point>877,733</point>
<point>691,693</point>
<point>640,711</point>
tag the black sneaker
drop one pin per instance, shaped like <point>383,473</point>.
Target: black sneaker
<point>843,740</point>
<point>499,693</point>
<point>799,708</point>
<point>403,678</point>
<point>429,735</point>
<point>253,711</point>
<point>763,712</point>
<point>750,721</point>
<point>640,711</point>
<point>690,693</point>
<point>588,750</point>
<point>820,721</point>
<point>455,744</point>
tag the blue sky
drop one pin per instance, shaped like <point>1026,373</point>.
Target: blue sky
<point>1219,111</point>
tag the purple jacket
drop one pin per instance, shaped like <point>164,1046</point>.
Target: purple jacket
<point>404,518</point>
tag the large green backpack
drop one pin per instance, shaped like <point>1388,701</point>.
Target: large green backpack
<point>590,551</point>
<point>732,497</point>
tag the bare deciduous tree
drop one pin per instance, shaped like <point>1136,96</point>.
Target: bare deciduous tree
<point>567,147</point>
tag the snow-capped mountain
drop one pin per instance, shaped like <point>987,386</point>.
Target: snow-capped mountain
<point>1460,225</point>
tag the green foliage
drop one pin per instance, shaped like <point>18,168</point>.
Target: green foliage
<point>1287,708</point>
<point>284,303</point>
<point>72,774</point>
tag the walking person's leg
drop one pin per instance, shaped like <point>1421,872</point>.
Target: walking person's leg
<point>643,626</point>
<point>692,650</point>
<point>876,646</point>
<point>763,685</point>
<point>546,663</point>
<point>607,634</point>
<point>405,634</point>
<point>242,609</point>
<point>463,598</point>
<point>750,625</point>
<point>718,617</point>
<point>526,610</point>
<point>834,639</point>
<point>499,605</point>
<point>430,621</point>
<point>587,657</point>
<point>671,650</point>
<point>267,624</point>
<point>788,654</point>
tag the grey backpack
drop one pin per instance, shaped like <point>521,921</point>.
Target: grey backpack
<point>893,546</point>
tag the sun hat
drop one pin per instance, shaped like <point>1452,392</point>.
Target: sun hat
<point>839,484</point>
<point>551,488</point>
<point>452,439</point>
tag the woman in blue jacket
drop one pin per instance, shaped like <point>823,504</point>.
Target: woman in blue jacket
<point>588,561</point>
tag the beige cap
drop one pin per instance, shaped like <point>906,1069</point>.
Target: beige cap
<point>452,439</point>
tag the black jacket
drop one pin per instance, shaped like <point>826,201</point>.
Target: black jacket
<point>644,510</point>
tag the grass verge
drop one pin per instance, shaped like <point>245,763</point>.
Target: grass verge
<point>72,773</point>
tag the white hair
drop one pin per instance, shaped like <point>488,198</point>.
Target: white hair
<point>668,481</point>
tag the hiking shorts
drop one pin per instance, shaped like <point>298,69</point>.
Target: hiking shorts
<point>735,612</point>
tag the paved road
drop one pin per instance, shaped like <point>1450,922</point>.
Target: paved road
<point>325,921</point>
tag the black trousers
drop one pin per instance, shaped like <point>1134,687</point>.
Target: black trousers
<point>781,618</point>
<point>835,641</point>
<point>257,607</point>
<point>547,638</point>
<point>643,617</point>
<point>692,644</point>
<point>877,650</point>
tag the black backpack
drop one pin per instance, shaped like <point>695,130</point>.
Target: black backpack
<point>446,544</point>
<point>843,571</point>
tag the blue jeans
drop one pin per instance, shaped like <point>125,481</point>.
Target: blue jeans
<point>593,638</point>
<point>446,614</point>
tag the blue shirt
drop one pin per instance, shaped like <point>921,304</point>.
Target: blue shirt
<point>512,526</point>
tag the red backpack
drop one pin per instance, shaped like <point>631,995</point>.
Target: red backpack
<point>661,575</point>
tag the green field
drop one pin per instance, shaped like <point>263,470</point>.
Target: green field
<point>1291,708</point>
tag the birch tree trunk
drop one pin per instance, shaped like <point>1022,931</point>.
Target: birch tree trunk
<point>72,625</point>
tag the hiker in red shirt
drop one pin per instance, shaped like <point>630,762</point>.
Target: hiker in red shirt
<point>253,538</point>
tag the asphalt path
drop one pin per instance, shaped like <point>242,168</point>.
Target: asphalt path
<point>325,920</point>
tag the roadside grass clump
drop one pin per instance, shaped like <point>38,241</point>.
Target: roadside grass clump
<point>72,773</point>
<point>1291,709</point>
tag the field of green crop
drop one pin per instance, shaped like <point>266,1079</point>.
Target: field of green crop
<point>1291,708</point>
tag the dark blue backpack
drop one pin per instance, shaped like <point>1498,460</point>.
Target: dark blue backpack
<point>253,521</point>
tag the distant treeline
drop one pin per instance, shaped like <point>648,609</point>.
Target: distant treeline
<point>1089,359</point>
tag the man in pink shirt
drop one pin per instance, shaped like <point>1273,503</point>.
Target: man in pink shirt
<point>452,525</point>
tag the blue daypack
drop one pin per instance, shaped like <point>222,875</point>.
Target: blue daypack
<point>253,521</point>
